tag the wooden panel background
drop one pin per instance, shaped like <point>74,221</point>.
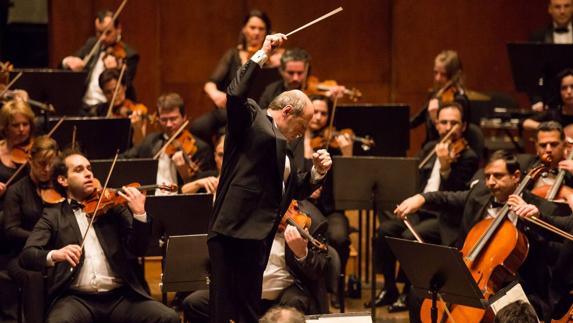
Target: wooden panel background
<point>383,47</point>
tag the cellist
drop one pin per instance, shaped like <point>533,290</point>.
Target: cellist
<point>502,175</point>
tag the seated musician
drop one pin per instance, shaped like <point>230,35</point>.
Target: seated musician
<point>256,26</point>
<point>207,181</point>
<point>112,53</point>
<point>122,107</point>
<point>294,275</point>
<point>443,172</point>
<point>338,227</point>
<point>448,78</point>
<point>23,207</point>
<point>16,127</point>
<point>172,169</point>
<point>502,176</point>
<point>563,113</point>
<point>98,282</point>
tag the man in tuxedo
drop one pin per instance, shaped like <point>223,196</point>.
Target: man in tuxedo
<point>97,282</point>
<point>257,183</point>
<point>106,57</point>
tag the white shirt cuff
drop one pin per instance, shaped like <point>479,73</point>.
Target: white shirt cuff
<point>141,217</point>
<point>49,261</point>
<point>260,58</point>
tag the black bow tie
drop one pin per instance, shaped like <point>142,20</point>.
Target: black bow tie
<point>561,30</point>
<point>75,205</point>
<point>496,205</point>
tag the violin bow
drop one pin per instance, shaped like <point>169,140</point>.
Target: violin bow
<point>331,122</point>
<point>331,13</point>
<point>433,152</point>
<point>74,132</point>
<point>115,91</point>
<point>97,45</point>
<point>171,139</point>
<point>11,84</point>
<point>19,170</point>
<point>90,224</point>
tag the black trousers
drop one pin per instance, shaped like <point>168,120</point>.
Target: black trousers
<point>338,235</point>
<point>237,268</point>
<point>121,305</point>
<point>32,285</point>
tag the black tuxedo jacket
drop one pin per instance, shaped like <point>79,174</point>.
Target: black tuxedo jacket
<point>250,199</point>
<point>122,239</point>
<point>544,35</point>
<point>131,59</point>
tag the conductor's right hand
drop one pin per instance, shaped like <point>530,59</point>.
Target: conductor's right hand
<point>273,42</point>
<point>70,253</point>
<point>409,206</point>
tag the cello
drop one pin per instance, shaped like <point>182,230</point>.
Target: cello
<point>493,251</point>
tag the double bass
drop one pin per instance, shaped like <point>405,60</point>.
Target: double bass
<point>493,251</point>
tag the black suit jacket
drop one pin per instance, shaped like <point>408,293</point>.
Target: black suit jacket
<point>544,35</point>
<point>122,239</point>
<point>131,60</point>
<point>271,92</point>
<point>250,199</point>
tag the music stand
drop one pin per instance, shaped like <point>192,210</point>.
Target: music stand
<point>98,137</point>
<point>181,214</point>
<point>435,269</point>
<point>140,170</point>
<point>63,89</point>
<point>379,121</point>
<point>535,63</point>
<point>186,264</point>
<point>373,182</point>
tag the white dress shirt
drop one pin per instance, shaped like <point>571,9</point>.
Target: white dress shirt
<point>433,183</point>
<point>563,38</point>
<point>94,94</point>
<point>276,277</point>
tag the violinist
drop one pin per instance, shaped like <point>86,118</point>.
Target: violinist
<point>99,282</point>
<point>22,209</point>
<point>172,168</point>
<point>16,126</point>
<point>208,180</point>
<point>293,275</point>
<point>448,80</point>
<point>256,25</point>
<point>446,170</point>
<point>112,54</point>
<point>501,177</point>
<point>122,107</point>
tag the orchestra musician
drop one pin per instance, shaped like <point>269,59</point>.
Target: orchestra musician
<point>97,282</point>
<point>112,54</point>
<point>23,207</point>
<point>448,76</point>
<point>122,107</point>
<point>294,275</point>
<point>171,169</point>
<point>207,181</point>
<point>559,32</point>
<point>257,183</point>
<point>16,127</point>
<point>256,26</point>
<point>443,172</point>
<point>485,198</point>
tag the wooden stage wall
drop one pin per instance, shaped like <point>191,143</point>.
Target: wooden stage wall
<point>385,48</point>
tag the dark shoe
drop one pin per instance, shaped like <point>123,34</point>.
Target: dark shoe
<point>400,305</point>
<point>385,297</point>
<point>334,301</point>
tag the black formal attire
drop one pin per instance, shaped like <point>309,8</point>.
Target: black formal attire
<point>271,92</point>
<point>214,121</point>
<point>473,206</point>
<point>5,174</point>
<point>553,115</point>
<point>307,293</point>
<point>22,209</point>
<point>250,202</point>
<point>431,226</point>
<point>122,239</point>
<point>154,141</point>
<point>131,61</point>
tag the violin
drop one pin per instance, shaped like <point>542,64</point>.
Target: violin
<point>448,92</point>
<point>302,222</point>
<point>183,141</point>
<point>556,192</point>
<point>320,141</point>
<point>50,196</point>
<point>456,147</point>
<point>314,86</point>
<point>493,251</point>
<point>110,197</point>
<point>20,153</point>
